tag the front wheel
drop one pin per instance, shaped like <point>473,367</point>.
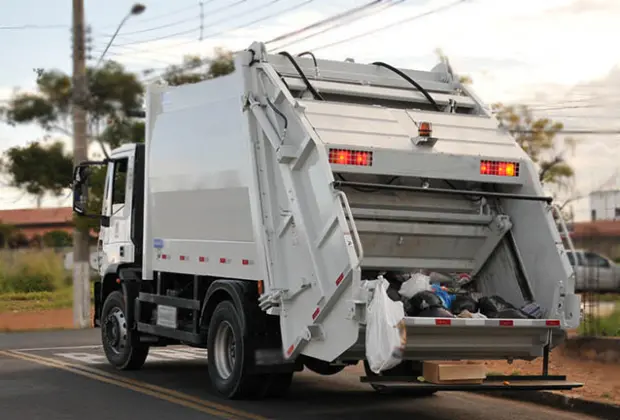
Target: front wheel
<point>229,355</point>
<point>120,345</point>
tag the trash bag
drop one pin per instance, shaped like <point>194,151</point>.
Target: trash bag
<point>466,314</point>
<point>533,310</point>
<point>493,304</point>
<point>422,301</point>
<point>509,313</point>
<point>436,312</point>
<point>418,282</point>
<point>446,298</point>
<point>464,303</point>
<point>392,292</point>
<point>461,279</point>
<point>386,335</point>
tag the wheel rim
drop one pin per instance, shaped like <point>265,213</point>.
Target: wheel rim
<point>224,350</point>
<point>115,330</point>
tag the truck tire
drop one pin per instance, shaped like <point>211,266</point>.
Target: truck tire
<point>407,368</point>
<point>229,355</point>
<point>120,344</point>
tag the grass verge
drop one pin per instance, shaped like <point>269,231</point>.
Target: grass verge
<point>38,301</point>
<point>608,326</point>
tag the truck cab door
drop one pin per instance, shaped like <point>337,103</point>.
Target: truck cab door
<point>115,245</point>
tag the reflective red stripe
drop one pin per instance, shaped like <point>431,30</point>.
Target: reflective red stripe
<point>164,256</point>
<point>290,349</point>
<point>553,322</point>
<point>245,262</point>
<point>339,279</point>
<point>182,257</point>
<point>201,259</point>
<point>506,323</point>
<point>443,321</point>
<point>316,313</point>
<point>223,260</point>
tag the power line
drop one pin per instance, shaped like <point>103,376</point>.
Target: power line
<point>391,25</point>
<point>272,15</point>
<point>159,48</point>
<point>155,28</point>
<point>175,23</point>
<point>322,22</point>
<point>167,14</point>
<point>186,32</point>
<point>241,26</point>
<point>339,24</point>
<point>160,38</point>
<point>28,26</point>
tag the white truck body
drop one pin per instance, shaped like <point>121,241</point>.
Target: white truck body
<point>228,195</point>
<point>243,181</point>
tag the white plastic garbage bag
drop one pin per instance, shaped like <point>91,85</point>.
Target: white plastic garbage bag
<point>386,335</point>
<point>418,282</point>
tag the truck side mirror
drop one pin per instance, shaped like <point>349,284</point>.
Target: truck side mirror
<point>80,175</point>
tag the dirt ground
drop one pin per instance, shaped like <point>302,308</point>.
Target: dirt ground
<point>36,320</point>
<point>601,381</point>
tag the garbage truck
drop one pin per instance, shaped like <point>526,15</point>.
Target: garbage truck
<point>264,204</point>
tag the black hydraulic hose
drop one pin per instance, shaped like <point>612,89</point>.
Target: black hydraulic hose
<point>410,80</point>
<point>316,94</point>
<point>311,55</point>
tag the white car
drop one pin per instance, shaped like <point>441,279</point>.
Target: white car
<point>594,272</point>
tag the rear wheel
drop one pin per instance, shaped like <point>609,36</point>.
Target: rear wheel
<point>229,355</point>
<point>407,368</point>
<point>121,345</point>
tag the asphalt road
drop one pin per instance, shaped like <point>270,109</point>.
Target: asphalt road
<point>63,375</point>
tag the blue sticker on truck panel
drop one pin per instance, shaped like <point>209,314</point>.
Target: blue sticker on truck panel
<point>158,243</point>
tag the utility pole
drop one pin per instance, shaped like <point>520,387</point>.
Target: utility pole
<point>81,251</point>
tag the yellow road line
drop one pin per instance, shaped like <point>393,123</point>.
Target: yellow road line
<point>214,405</point>
<point>166,394</point>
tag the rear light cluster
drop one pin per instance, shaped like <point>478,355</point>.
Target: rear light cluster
<point>350,157</point>
<point>497,168</point>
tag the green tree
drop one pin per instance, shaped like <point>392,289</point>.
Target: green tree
<point>6,231</point>
<point>18,240</point>
<point>57,239</point>
<point>39,168</point>
<point>538,137</point>
<point>193,69</point>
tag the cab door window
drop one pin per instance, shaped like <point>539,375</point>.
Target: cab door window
<point>119,185</point>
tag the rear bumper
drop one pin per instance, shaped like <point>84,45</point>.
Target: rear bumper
<point>473,339</point>
<point>492,383</point>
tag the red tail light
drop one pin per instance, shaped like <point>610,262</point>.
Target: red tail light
<point>350,157</point>
<point>498,168</point>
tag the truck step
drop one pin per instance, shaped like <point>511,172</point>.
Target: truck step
<point>491,383</point>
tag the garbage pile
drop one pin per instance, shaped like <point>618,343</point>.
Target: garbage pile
<point>421,298</point>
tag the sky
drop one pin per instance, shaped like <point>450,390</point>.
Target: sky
<point>557,56</point>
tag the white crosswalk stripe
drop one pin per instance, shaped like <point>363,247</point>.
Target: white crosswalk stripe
<point>155,355</point>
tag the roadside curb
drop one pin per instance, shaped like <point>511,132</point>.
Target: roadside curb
<point>563,402</point>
